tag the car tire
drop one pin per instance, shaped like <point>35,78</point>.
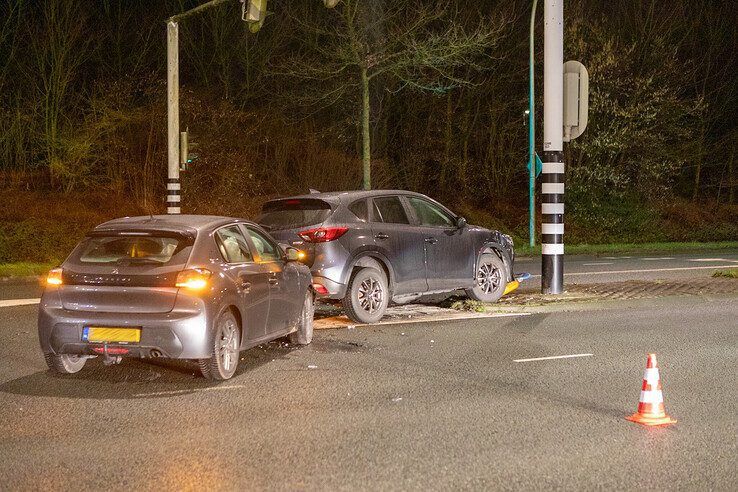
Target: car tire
<point>65,363</point>
<point>304,333</point>
<point>225,354</point>
<point>367,296</point>
<point>490,279</point>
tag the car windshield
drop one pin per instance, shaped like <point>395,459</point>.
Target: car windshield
<point>122,249</point>
<point>293,213</point>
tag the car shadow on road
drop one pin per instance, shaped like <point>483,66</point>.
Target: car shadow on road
<point>138,378</point>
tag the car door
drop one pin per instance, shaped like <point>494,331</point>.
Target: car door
<point>285,301</point>
<point>449,251</point>
<point>400,243</point>
<point>250,280</point>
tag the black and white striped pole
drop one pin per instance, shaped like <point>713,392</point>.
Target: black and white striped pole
<point>552,176</point>
<point>565,110</point>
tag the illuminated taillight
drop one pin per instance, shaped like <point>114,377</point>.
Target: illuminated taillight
<point>320,289</point>
<point>54,277</point>
<point>193,279</point>
<point>323,234</point>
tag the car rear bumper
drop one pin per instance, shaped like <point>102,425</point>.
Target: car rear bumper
<point>179,334</point>
<point>336,290</point>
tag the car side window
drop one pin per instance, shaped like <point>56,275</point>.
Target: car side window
<point>360,210</point>
<point>268,251</point>
<point>232,245</point>
<point>389,209</point>
<point>430,214</point>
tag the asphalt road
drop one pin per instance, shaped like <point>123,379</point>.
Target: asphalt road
<point>421,406</point>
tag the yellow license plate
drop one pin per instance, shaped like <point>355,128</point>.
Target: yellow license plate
<point>108,334</point>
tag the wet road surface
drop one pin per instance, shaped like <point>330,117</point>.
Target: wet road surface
<point>422,406</point>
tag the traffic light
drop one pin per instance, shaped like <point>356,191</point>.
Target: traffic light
<point>254,12</point>
<point>186,144</point>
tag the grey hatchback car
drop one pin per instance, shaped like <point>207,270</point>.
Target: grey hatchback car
<point>368,248</point>
<point>174,286</point>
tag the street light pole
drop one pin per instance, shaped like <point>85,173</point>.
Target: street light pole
<point>532,133</point>
<point>173,185</point>
<point>552,177</point>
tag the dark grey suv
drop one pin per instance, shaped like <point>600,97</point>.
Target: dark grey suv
<point>368,248</point>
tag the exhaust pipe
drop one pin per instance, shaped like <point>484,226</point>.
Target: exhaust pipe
<point>155,353</point>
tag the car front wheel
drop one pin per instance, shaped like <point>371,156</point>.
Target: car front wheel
<point>367,296</point>
<point>490,280</point>
<point>304,333</point>
<point>222,363</point>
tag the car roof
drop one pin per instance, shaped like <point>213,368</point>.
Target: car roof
<point>340,196</point>
<point>181,223</point>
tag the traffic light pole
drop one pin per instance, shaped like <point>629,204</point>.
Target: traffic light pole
<point>173,184</point>
<point>552,176</point>
<point>532,133</point>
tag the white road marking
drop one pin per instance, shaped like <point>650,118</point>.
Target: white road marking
<point>553,357</point>
<point>18,302</point>
<point>184,391</point>
<point>596,264</point>
<point>712,260</point>
<point>658,259</point>
<point>647,270</point>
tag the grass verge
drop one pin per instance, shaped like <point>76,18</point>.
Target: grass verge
<point>24,269</point>
<point>732,273</point>
<point>604,249</point>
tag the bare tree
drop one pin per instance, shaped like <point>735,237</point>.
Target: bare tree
<point>420,45</point>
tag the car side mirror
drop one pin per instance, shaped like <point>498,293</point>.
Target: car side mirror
<point>460,222</point>
<point>294,254</point>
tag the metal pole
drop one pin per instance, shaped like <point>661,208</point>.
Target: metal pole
<point>552,177</point>
<point>532,133</point>
<point>173,184</point>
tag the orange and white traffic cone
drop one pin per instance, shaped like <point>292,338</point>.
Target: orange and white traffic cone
<point>651,403</point>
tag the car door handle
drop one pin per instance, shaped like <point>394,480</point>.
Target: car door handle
<point>431,240</point>
<point>381,235</point>
<point>243,282</point>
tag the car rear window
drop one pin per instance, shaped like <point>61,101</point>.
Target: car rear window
<point>293,213</point>
<point>133,248</point>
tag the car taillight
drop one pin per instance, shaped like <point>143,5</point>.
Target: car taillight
<point>54,277</point>
<point>193,279</point>
<point>323,234</point>
<point>320,289</point>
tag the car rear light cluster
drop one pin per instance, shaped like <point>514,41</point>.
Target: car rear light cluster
<point>322,234</point>
<point>193,279</point>
<point>320,289</point>
<point>54,277</point>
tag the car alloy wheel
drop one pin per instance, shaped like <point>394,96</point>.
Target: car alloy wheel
<point>228,346</point>
<point>367,296</point>
<point>371,295</point>
<point>488,277</point>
